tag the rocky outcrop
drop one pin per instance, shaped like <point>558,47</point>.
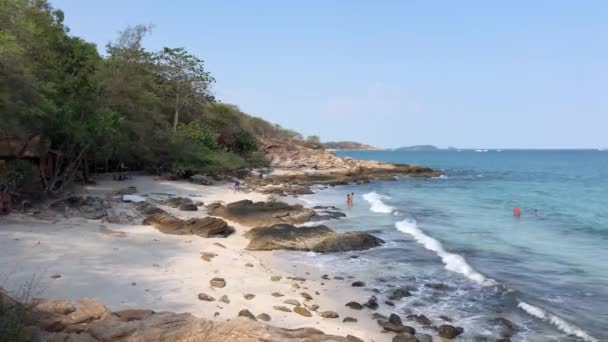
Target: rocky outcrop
<point>320,239</point>
<point>90,321</point>
<point>203,227</point>
<point>254,214</point>
<point>296,163</point>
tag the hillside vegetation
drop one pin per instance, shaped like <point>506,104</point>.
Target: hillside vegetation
<point>71,111</point>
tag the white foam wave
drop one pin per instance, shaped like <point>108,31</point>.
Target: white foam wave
<point>556,321</point>
<point>377,205</point>
<point>453,262</point>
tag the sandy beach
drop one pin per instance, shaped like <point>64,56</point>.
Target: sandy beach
<point>129,266</point>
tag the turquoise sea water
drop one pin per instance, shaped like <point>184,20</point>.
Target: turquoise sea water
<point>546,271</point>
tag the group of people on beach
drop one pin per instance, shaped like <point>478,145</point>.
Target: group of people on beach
<point>349,199</point>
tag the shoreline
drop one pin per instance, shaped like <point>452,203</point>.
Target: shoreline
<point>138,267</point>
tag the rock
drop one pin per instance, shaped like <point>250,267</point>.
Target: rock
<point>329,314</point>
<point>263,317</point>
<point>176,202</point>
<point>205,297</point>
<point>506,328</point>
<point>224,299</point>
<point>320,239</point>
<point>349,320</point>
<point>420,319</point>
<point>313,307</point>
<point>188,207</point>
<point>276,278</point>
<point>449,331</point>
<point>217,282</point>
<point>354,305</point>
<point>399,293</point>
<point>302,311</point>
<point>405,337</point>
<point>297,278</point>
<point>306,296</point>
<point>351,338</point>
<point>389,303</point>
<point>88,207</point>
<point>201,179</point>
<point>358,284</point>
<point>249,264</point>
<point>247,314</point>
<point>249,296</point>
<point>281,308</point>
<point>90,322</point>
<point>133,315</point>
<point>436,286</point>
<point>276,294</point>
<point>338,278</point>
<point>203,227</point>
<point>445,318</point>
<point>147,208</point>
<point>56,276</point>
<point>372,303</point>
<point>325,276</point>
<point>219,245</point>
<point>130,190</point>
<point>378,316</point>
<point>424,338</point>
<point>292,302</point>
<point>254,214</point>
<point>395,319</point>
<point>207,256</point>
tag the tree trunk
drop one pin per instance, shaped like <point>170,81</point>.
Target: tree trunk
<point>176,116</point>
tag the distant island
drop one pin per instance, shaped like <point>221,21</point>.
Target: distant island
<point>418,148</point>
<point>347,145</point>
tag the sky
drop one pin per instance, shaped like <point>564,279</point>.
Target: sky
<point>469,74</point>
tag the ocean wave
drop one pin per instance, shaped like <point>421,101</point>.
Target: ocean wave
<point>453,262</point>
<point>377,205</point>
<point>555,321</point>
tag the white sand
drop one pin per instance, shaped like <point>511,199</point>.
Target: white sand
<point>143,268</point>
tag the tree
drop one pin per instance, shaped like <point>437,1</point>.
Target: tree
<point>186,79</point>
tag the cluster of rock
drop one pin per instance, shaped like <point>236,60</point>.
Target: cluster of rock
<point>203,227</point>
<point>320,239</point>
<point>297,166</point>
<point>255,214</point>
<point>89,321</point>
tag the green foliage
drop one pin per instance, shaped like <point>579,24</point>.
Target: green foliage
<point>147,109</point>
<point>14,174</point>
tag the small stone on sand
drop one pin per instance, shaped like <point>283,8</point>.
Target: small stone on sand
<point>329,314</point>
<point>217,282</point>
<point>249,296</point>
<point>281,308</point>
<point>205,297</point>
<point>292,302</point>
<point>264,317</point>
<point>302,311</point>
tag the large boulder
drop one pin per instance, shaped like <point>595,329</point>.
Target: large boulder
<point>203,227</point>
<point>254,214</point>
<point>320,239</point>
<point>92,322</point>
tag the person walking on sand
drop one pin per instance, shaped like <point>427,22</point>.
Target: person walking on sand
<point>236,186</point>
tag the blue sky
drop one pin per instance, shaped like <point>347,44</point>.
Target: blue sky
<point>504,74</point>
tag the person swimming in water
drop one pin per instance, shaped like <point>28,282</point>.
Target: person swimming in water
<point>517,212</point>
<point>348,201</point>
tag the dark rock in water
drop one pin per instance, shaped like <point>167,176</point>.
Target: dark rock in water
<point>321,239</point>
<point>420,319</point>
<point>325,207</point>
<point>389,303</point>
<point>338,278</point>
<point>203,227</point>
<point>506,328</point>
<point>205,297</point>
<point>395,319</point>
<point>327,215</point>
<point>372,303</point>
<point>188,207</point>
<point>399,293</point>
<point>375,290</point>
<point>262,213</point>
<point>449,331</point>
<point>480,338</point>
<point>445,318</point>
<point>424,338</point>
<point>349,320</point>
<point>354,305</point>
<point>506,339</point>
<point>247,314</point>
<point>358,284</point>
<point>325,276</point>
<point>405,337</point>
<point>264,317</point>
<point>354,257</point>
<point>437,286</point>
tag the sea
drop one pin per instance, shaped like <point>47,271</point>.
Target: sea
<point>546,271</point>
